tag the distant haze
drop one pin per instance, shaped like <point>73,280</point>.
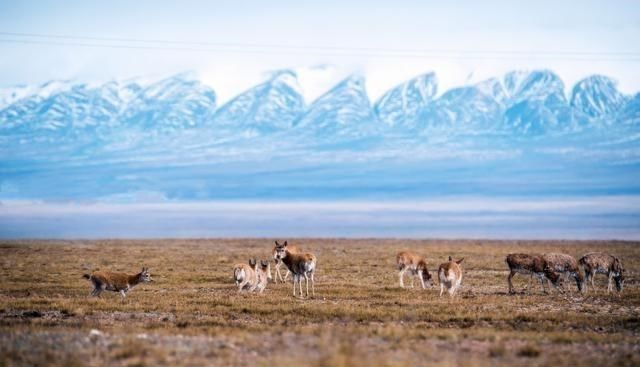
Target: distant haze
<point>454,217</point>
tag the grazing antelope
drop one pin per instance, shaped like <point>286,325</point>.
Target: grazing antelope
<point>292,249</point>
<point>264,275</point>
<point>116,282</point>
<point>450,276</point>
<point>598,262</point>
<point>300,265</point>
<point>246,276</point>
<point>563,264</point>
<point>416,265</point>
<point>528,264</point>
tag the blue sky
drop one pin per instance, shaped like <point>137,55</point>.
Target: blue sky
<point>599,27</point>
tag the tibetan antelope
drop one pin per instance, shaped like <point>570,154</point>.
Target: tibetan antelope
<point>300,265</point>
<point>528,264</point>
<point>264,275</point>
<point>598,262</point>
<point>116,282</point>
<point>417,267</point>
<point>450,276</point>
<point>563,264</point>
<point>278,274</point>
<point>246,276</point>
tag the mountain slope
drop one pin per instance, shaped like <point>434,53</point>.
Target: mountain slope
<point>536,103</point>
<point>176,102</point>
<point>344,110</point>
<point>272,105</point>
<point>464,108</point>
<point>597,96</point>
<point>402,105</point>
<point>60,106</point>
<point>630,113</point>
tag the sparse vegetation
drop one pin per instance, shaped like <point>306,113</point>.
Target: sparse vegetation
<point>193,313</point>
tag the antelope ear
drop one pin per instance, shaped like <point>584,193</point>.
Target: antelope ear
<point>459,261</point>
<point>450,259</point>
<point>277,244</point>
<point>285,244</point>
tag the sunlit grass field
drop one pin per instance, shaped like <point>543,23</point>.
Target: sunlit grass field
<point>192,313</point>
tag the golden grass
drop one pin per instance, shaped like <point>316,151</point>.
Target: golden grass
<point>193,313</point>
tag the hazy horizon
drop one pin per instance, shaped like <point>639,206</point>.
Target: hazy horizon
<point>585,218</point>
<point>357,138</point>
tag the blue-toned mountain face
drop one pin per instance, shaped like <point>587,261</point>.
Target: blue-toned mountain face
<point>58,107</point>
<point>597,97</point>
<point>176,102</point>
<point>521,133</point>
<point>270,106</point>
<point>344,110</point>
<point>402,105</point>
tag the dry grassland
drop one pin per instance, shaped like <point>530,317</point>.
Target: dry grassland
<point>192,313</point>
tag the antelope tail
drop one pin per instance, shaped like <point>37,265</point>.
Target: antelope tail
<point>86,276</point>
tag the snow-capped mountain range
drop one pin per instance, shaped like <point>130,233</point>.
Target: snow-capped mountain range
<point>523,133</point>
<point>522,102</point>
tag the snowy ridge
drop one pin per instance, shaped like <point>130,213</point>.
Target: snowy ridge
<point>272,105</point>
<point>403,104</point>
<point>179,101</point>
<point>345,109</point>
<point>521,102</point>
<point>597,96</point>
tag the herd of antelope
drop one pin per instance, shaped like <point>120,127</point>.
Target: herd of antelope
<point>254,276</point>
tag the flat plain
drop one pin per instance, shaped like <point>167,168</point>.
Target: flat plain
<point>192,313</point>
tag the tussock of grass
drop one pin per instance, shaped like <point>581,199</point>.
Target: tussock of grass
<point>529,351</point>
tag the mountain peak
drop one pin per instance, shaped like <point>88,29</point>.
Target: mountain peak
<point>346,106</point>
<point>273,104</point>
<point>402,104</point>
<point>535,84</point>
<point>597,96</point>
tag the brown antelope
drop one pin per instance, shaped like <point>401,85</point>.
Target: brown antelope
<point>563,264</point>
<point>246,276</point>
<point>528,264</point>
<point>300,265</point>
<point>450,276</point>
<point>264,275</point>
<point>417,267</point>
<point>292,249</point>
<point>598,262</point>
<point>116,282</point>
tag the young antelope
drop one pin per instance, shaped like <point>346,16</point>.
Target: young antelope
<point>246,276</point>
<point>527,264</point>
<point>563,264</point>
<point>264,275</point>
<point>116,282</point>
<point>598,262</point>
<point>415,265</point>
<point>450,276</point>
